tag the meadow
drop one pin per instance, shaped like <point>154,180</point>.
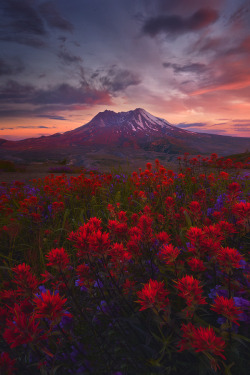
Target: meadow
<point>127,273</point>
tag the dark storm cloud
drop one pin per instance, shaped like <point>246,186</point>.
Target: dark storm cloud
<point>177,25</point>
<point>189,68</point>
<point>53,17</point>
<point>67,57</point>
<point>117,79</point>
<point>48,102</point>
<point>66,94</point>
<point>12,67</point>
<point>26,113</point>
<point>21,16</point>
<point>24,23</point>
<point>14,92</point>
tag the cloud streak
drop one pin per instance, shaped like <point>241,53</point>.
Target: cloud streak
<point>189,68</point>
<point>176,25</point>
<point>53,17</point>
<point>64,93</point>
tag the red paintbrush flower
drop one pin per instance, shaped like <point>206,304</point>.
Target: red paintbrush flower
<point>195,235</point>
<point>169,253</point>
<point>22,329</point>
<point>195,208</point>
<point>227,308</point>
<point>119,254</point>
<point>190,289</point>
<point>153,295</point>
<point>163,237</point>
<point>98,243</point>
<point>169,201</point>
<point>229,258</point>
<point>203,340</point>
<point>242,209</point>
<point>58,258</point>
<point>50,306</point>
<point>196,265</point>
<point>117,229</point>
<point>27,282</point>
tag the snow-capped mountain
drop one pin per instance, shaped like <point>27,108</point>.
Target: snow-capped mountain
<point>132,128</point>
<point>136,129</point>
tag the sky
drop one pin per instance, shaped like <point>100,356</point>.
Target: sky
<point>62,62</point>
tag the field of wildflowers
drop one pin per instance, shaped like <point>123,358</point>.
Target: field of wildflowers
<point>127,274</point>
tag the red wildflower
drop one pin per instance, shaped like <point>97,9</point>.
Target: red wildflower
<point>202,340</point>
<point>27,282</point>
<point>242,209</point>
<point>50,306</point>
<point>214,232</point>
<point>80,240</point>
<point>153,295</point>
<point>196,265</point>
<point>234,187</point>
<point>57,207</point>
<point>190,289</point>
<point>195,207</point>
<point>195,235</point>
<point>227,308</point>
<point>134,245</point>
<point>117,229</point>
<point>169,253</point>
<point>213,156</point>
<point>58,258</point>
<point>94,223</point>
<point>169,201</point>
<point>6,364</point>
<point>163,237</point>
<point>242,212</point>
<point>229,258</point>
<point>122,216</point>
<point>226,228</point>
<point>22,330</point>
<point>119,254</point>
<point>98,243</point>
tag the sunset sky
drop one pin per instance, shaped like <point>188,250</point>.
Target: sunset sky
<point>62,62</point>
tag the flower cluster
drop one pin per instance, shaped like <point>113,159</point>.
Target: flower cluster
<point>111,274</point>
